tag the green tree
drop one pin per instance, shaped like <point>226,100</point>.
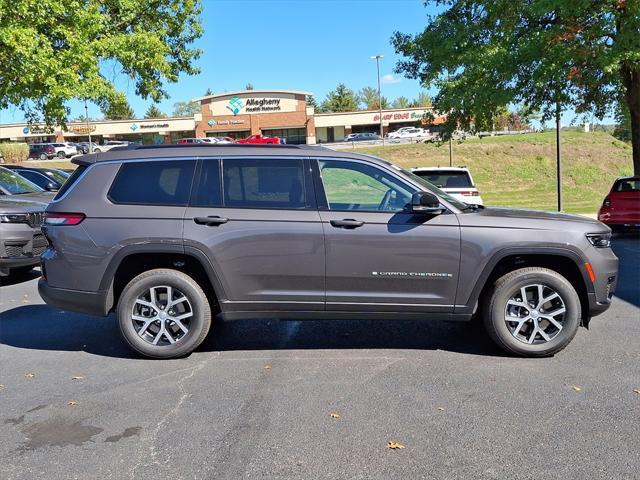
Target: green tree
<point>154,112</point>
<point>422,100</point>
<point>117,108</point>
<point>342,99</point>
<point>208,92</point>
<point>369,97</point>
<point>311,102</point>
<point>185,109</point>
<point>482,54</point>
<point>53,51</point>
<point>248,86</point>
<point>401,102</point>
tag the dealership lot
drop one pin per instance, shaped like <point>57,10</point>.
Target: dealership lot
<point>255,401</point>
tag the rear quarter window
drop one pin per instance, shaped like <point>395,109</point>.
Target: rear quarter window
<point>153,183</point>
<point>73,178</point>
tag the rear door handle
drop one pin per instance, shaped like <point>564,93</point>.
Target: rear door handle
<point>211,221</point>
<point>346,223</point>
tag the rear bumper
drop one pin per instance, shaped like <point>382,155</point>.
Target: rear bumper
<point>91,303</point>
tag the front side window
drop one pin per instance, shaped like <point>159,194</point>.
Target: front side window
<point>358,186</point>
<point>264,183</point>
<point>153,183</point>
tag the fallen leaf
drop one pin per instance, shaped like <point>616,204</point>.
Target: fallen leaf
<point>267,367</point>
<point>78,377</point>
<point>1,386</point>
<point>577,389</point>
<point>441,409</point>
<point>334,415</point>
<point>29,375</point>
<point>72,403</point>
<point>394,445</point>
<point>637,390</point>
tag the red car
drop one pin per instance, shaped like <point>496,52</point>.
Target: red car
<point>260,139</point>
<point>621,207</point>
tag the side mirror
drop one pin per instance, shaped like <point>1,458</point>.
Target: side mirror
<point>425,203</point>
<point>51,187</point>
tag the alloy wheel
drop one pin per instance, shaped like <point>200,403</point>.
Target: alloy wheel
<point>162,315</point>
<point>535,314</point>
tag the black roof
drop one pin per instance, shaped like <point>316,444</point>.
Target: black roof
<point>136,152</point>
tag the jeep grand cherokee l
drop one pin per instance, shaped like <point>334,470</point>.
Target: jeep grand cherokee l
<point>169,236</point>
<point>21,241</point>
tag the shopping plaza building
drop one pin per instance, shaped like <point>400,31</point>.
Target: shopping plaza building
<point>280,113</point>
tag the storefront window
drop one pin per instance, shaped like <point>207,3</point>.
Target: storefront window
<point>293,136</point>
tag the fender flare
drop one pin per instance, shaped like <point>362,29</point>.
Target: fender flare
<point>575,256</point>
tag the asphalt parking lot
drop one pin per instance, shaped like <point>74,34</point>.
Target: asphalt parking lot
<point>256,400</point>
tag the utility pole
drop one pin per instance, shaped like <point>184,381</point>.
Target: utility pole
<point>86,117</point>
<point>450,152</point>
<point>377,58</point>
<point>558,157</point>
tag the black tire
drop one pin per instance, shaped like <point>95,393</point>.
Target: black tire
<point>96,150</point>
<point>43,156</point>
<point>61,154</point>
<point>494,311</point>
<point>199,325</point>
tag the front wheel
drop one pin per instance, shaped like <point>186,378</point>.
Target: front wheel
<point>532,312</point>
<point>163,314</point>
<point>43,156</point>
<point>62,154</point>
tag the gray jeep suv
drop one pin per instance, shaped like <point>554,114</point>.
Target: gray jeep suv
<point>169,236</point>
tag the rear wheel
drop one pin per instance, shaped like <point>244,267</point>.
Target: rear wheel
<point>62,154</point>
<point>532,312</point>
<point>164,314</point>
<point>43,156</point>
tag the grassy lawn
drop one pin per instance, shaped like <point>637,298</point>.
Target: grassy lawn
<point>520,170</point>
<point>52,164</point>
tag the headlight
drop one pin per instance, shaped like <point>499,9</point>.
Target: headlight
<point>13,218</point>
<point>599,240</point>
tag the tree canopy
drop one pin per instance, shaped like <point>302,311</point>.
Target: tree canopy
<point>342,99</point>
<point>185,109</point>
<point>53,51</point>
<point>485,54</point>
<point>154,112</point>
<point>369,97</point>
<point>118,108</point>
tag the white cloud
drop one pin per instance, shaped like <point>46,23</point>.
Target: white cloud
<point>389,78</point>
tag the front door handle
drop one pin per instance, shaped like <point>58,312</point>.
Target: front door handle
<point>346,223</point>
<point>211,221</point>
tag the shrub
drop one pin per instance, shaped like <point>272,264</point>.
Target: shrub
<point>14,152</point>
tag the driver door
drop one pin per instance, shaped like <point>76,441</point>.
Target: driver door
<point>379,255</point>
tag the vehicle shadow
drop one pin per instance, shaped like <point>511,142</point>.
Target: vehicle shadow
<point>17,278</point>
<point>627,249</point>
<point>41,327</point>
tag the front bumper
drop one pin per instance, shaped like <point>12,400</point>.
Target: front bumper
<point>91,303</point>
<point>20,246</point>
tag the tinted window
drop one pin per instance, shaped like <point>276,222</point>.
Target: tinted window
<point>34,177</point>
<point>447,178</point>
<point>153,183</point>
<point>357,186</point>
<point>265,183</point>
<point>208,190</point>
<point>16,184</point>
<point>70,181</point>
<point>627,186</point>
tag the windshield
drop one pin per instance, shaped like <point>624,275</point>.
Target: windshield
<point>15,184</point>
<point>432,188</point>
<point>57,175</point>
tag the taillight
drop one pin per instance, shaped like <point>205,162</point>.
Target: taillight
<point>50,150</point>
<point>63,218</point>
<point>607,202</point>
<point>470,194</point>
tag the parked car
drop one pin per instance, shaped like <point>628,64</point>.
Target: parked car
<point>14,184</point>
<point>49,179</point>
<point>260,139</point>
<point>177,235</point>
<point>84,147</point>
<point>21,240</point>
<point>183,141</point>
<point>43,151</point>
<point>110,144</point>
<point>225,140</point>
<point>455,181</point>
<point>360,137</point>
<point>397,132</point>
<point>65,150</point>
<point>414,133</point>
<point>620,209</point>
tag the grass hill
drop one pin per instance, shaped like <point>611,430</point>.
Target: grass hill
<point>520,170</point>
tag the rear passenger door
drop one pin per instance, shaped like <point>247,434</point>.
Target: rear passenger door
<point>256,221</point>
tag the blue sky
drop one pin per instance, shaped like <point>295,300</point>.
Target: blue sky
<point>309,45</point>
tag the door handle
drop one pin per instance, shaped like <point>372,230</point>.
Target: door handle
<point>346,223</point>
<point>211,221</point>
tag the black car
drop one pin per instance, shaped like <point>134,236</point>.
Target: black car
<point>43,151</point>
<point>49,179</point>
<point>359,137</point>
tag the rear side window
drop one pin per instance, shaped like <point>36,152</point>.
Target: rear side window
<point>70,181</point>
<point>264,183</point>
<point>629,185</point>
<point>208,191</point>
<point>153,183</point>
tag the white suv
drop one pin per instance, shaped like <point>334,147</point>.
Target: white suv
<point>65,150</point>
<point>456,181</point>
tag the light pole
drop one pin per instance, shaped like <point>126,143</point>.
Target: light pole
<point>86,117</point>
<point>377,59</point>
<point>558,157</point>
